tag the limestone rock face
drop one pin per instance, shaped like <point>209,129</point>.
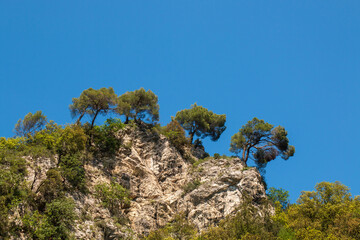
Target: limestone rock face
<point>157,177</point>
<point>224,184</point>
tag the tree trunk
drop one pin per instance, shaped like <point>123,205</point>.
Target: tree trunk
<point>191,137</point>
<point>93,121</point>
<point>243,155</point>
<point>247,155</point>
<point>79,119</point>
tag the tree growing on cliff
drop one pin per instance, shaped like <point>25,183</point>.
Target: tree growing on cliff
<point>31,124</point>
<point>201,122</point>
<point>139,105</point>
<point>93,102</point>
<point>176,135</point>
<point>261,142</point>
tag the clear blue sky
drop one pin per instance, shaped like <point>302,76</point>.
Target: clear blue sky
<point>291,63</point>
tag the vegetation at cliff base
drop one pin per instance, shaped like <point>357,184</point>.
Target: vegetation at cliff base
<point>329,212</point>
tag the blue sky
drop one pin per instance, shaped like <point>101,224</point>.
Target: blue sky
<point>291,63</point>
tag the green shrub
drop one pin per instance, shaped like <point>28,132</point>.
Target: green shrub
<point>48,136</point>
<point>216,156</point>
<point>52,187</point>
<point>192,185</point>
<point>12,143</point>
<point>176,135</point>
<point>72,169</point>
<point>72,139</point>
<point>55,223</point>
<point>200,161</point>
<point>179,228</point>
<point>104,136</point>
<point>13,189</point>
<point>60,216</point>
<point>113,196</point>
<point>279,195</point>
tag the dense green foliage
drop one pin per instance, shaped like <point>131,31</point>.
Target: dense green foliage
<point>70,140</point>
<point>31,124</point>
<point>176,135</point>
<point>262,142</point>
<point>72,169</point>
<point>113,196</point>
<point>104,136</point>
<point>43,211</point>
<point>13,189</point>
<point>279,196</point>
<point>54,223</point>
<point>329,212</point>
<point>139,105</point>
<point>201,122</point>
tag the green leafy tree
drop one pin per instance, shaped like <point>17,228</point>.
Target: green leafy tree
<point>93,102</point>
<point>176,135</point>
<point>201,122</point>
<point>31,124</point>
<point>139,105</point>
<point>261,142</point>
<point>279,195</point>
<point>71,139</point>
<point>60,217</point>
<point>104,136</point>
<point>329,212</point>
<point>72,169</point>
<point>47,137</point>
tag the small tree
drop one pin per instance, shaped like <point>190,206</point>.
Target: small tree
<point>93,102</point>
<point>201,122</point>
<point>71,139</point>
<point>261,142</point>
<point>279,195</point>
<point>139,105</point>
<point>113,196</point>
<point>176,135</point>
<point>31,124</point>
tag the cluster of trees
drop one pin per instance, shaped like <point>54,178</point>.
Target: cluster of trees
<point>329,212</point>
<point>137,105</point>
<point>257,140</point>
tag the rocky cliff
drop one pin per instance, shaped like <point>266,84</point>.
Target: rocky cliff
<point>161,182</point>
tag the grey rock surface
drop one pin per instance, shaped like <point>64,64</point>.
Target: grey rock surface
<point>155,174</point>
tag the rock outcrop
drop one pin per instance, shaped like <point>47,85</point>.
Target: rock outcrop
<point>162,183</point>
